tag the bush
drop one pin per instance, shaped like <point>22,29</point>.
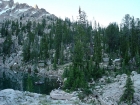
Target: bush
<point>66,73</point>
<point>81,96</point>
<point>87,91</point>
<point>36,71</point>
<point>108,80</point>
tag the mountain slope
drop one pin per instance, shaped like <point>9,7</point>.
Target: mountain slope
<point>11,10</point>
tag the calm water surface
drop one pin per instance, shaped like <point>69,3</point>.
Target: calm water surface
<point>10,79</point>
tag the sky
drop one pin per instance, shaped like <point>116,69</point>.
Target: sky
<point>103,11</point>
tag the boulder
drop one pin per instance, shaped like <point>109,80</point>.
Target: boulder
<point>105,59</point>
<point>123,76</point>
<point>1,40</point>
<point>60,72</point>
<point>110,67</point>
<point>15,66</point>
<point>60,95</point>
<point>118,77</point>
<point>116,60</point>
<point>101,65</point>
<point>65,79</point>
<point>133,73</point>
<point>102,80</point>
<point>95,94</point>
<point>134,104</point>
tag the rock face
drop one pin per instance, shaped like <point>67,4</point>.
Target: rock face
<point>109,94</point>
<point>136,79</point>
<point>36,7</point>
<point>11,10</point>
<point>11,97</point>
<point>6,3</point>
<point>23,13</point>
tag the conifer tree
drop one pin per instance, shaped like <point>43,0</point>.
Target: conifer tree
<point>128,94</point>
<point>112,37</point>
<point>77,71</point>
<point>44,48</point>
<point>58,39</point>
<point>133,46</point>
<point>29,84</point>
<point>97,48</point>
<point>26,50</point>
<point>62,54</point>
<point>7,45</point>
<point>20,39</point>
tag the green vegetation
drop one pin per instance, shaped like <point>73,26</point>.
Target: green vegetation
<point>79,42</point>
<point>128,94</point>
<point>29,84</point>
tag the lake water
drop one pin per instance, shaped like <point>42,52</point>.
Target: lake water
<point>25,82</point>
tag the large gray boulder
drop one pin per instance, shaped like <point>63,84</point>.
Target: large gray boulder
<point>60,95</point>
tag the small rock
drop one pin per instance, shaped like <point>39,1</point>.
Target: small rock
<point>133,73</point>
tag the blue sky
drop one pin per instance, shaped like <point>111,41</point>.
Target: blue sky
<point>103,11</point>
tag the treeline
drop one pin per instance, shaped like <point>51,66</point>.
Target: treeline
<point>92,42</point>
<point>124,40</point>
<point>39,41</point>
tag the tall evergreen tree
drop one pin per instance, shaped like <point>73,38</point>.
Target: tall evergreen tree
<point>7,45</point>
<point>112,37</point>
<point>26,50</point>
<point>128,94</point>
<point>58,39</point>
<point>133,46</point>
<point>44,48</point>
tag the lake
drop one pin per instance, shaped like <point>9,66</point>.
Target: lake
<point>10,79</point>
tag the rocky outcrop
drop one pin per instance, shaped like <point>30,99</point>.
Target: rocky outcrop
<point>36,7</point>
<point>60,95</point>
<point>6,3</point>
<point>136,79</point>
<point>9,9</point>
<point>110,93</point>
<point>14,97</point>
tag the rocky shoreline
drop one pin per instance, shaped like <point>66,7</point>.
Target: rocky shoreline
<point>15,97</point>
<point>103,93</point>
<point>108,93</point>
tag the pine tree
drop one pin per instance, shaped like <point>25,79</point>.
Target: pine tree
<point>125,36</point>
<point>112,37</point>
<point>29,84</point>
<point>26,51</point>
<point>97,48</point>
<point>43,23</point>
<point>44,48</point>
<point>79,77</point>
<point>62,54</point>
<point>78,55</point>
<point>78,69</point>
<point>128,94</point>
<point>3,29</point>
<point>7,45</point>
<point>134,42</point>
<point>58,39</point>
<point>20,39</point>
